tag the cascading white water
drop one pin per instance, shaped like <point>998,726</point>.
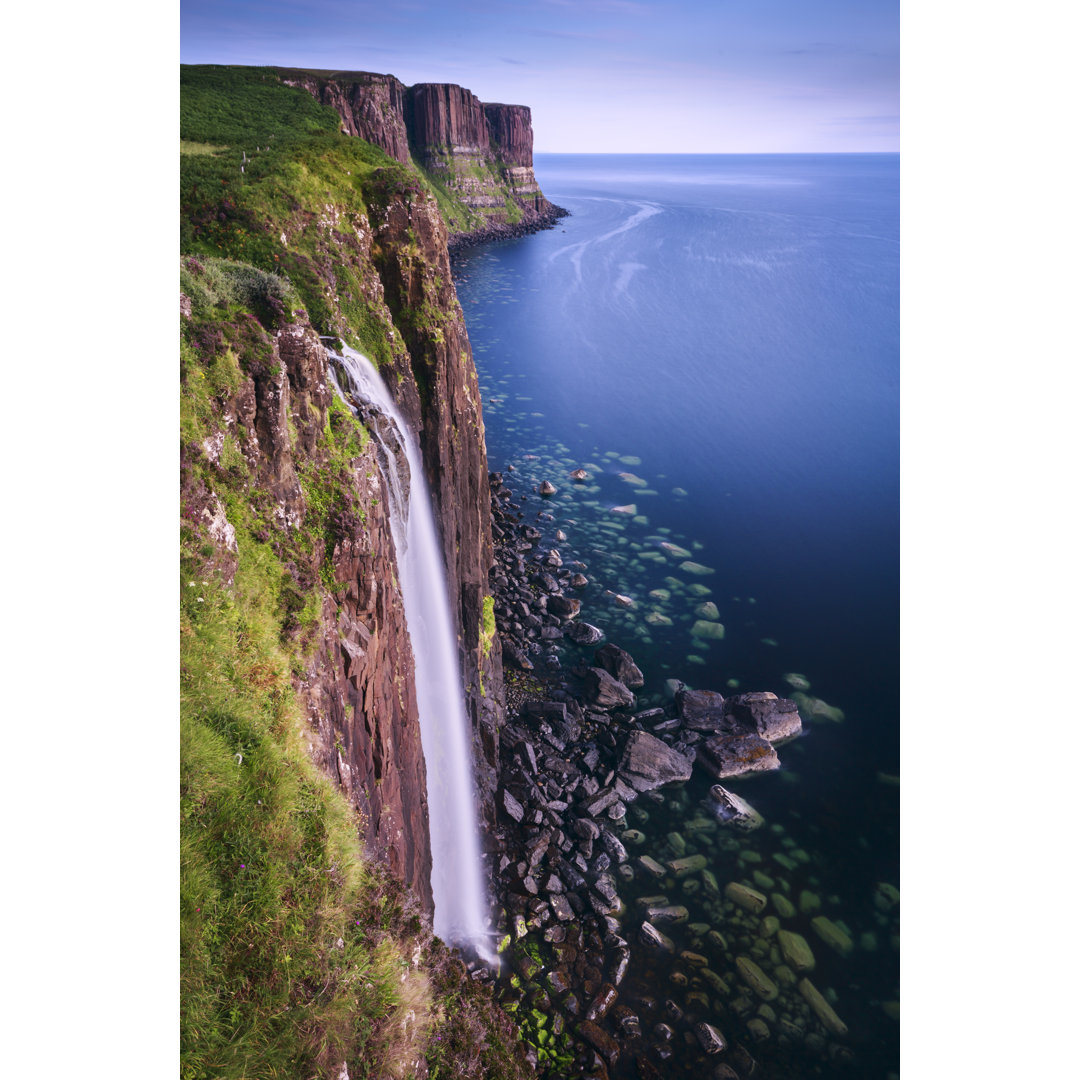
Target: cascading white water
<point>461,909</point>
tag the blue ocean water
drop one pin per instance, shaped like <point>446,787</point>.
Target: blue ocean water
<point>715,339</point>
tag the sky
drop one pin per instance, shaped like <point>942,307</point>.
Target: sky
<point>604,76</point>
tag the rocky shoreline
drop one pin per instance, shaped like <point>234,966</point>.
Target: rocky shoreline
<point>598,983</point>
<point>545,220</point>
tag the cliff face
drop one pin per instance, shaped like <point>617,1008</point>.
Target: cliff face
<point>479,154</point>
<point>371,106</point>
<point>366,253</point>
<point>511,132</point>
<point>356,688</point>
<point>437,389</point>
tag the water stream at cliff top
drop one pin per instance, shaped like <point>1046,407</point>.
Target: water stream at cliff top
<point>461,907</point>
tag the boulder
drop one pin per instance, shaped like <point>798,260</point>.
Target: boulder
<point>733,811</point>
<point>652,937</point>
<point>756,979</point>
<point>748,899</point>
<point>547,488</point>
<point>619,664</point>
<point>579,476</point>
<point>762,714</point>
<point>832,935</point>
<point>784,907</point>
<point>604,691</point>
<point>649,763</point>
<point>512,806</point>
<point>607,1047</point>
<point>551,711</point>
<point>583,633</point>
<point>513,655</point>
<point>701,710</point>
<point>733,755</point>
<point>688,864</point>
<point>796,951</point>
<point>822,1009</point>
<point>566,607</point>
<point>712,1042</point>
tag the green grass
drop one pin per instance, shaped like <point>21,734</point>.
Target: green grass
<point>271,879</point>
<point>246,107</point>
<point>487,625</point>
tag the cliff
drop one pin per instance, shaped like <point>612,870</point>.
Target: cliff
<point>292,230</point>
<point>477,156</point>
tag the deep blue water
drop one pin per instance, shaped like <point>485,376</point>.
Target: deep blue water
<point>728,327</point>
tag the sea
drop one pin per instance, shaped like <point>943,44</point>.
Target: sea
<point>715,340</point>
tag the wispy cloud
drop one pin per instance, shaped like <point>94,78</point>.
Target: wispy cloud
<point>607,7</point>
<point>508,60</point>
<point>864,121</point>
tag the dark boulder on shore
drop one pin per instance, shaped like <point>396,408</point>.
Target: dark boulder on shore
<point>565,607</point>
<point>649,763</point>
<point>606,692</point>
<point>583,633</point>
<point>700,710</point>
<point>619,664</point>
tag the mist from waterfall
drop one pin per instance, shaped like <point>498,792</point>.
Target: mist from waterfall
<point>461,906</point>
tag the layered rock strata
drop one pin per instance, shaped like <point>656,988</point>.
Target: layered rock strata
<point>481,154</point>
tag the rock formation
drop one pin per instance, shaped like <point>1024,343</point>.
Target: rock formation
<point>480,154</point>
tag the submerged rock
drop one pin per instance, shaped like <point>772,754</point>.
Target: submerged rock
<point>705,629</point>
<point>749,899</point>
<point>796,951</point>
<point>815,709</point>
<point>822,1009</point>
<point>784,907</point>
<point>697,568</point>
<point>832,935</point>
<point>674,550</point>
<point>758,981</point>
<point>733,811</point>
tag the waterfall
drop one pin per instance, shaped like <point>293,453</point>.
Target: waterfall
<point>461,909</point>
